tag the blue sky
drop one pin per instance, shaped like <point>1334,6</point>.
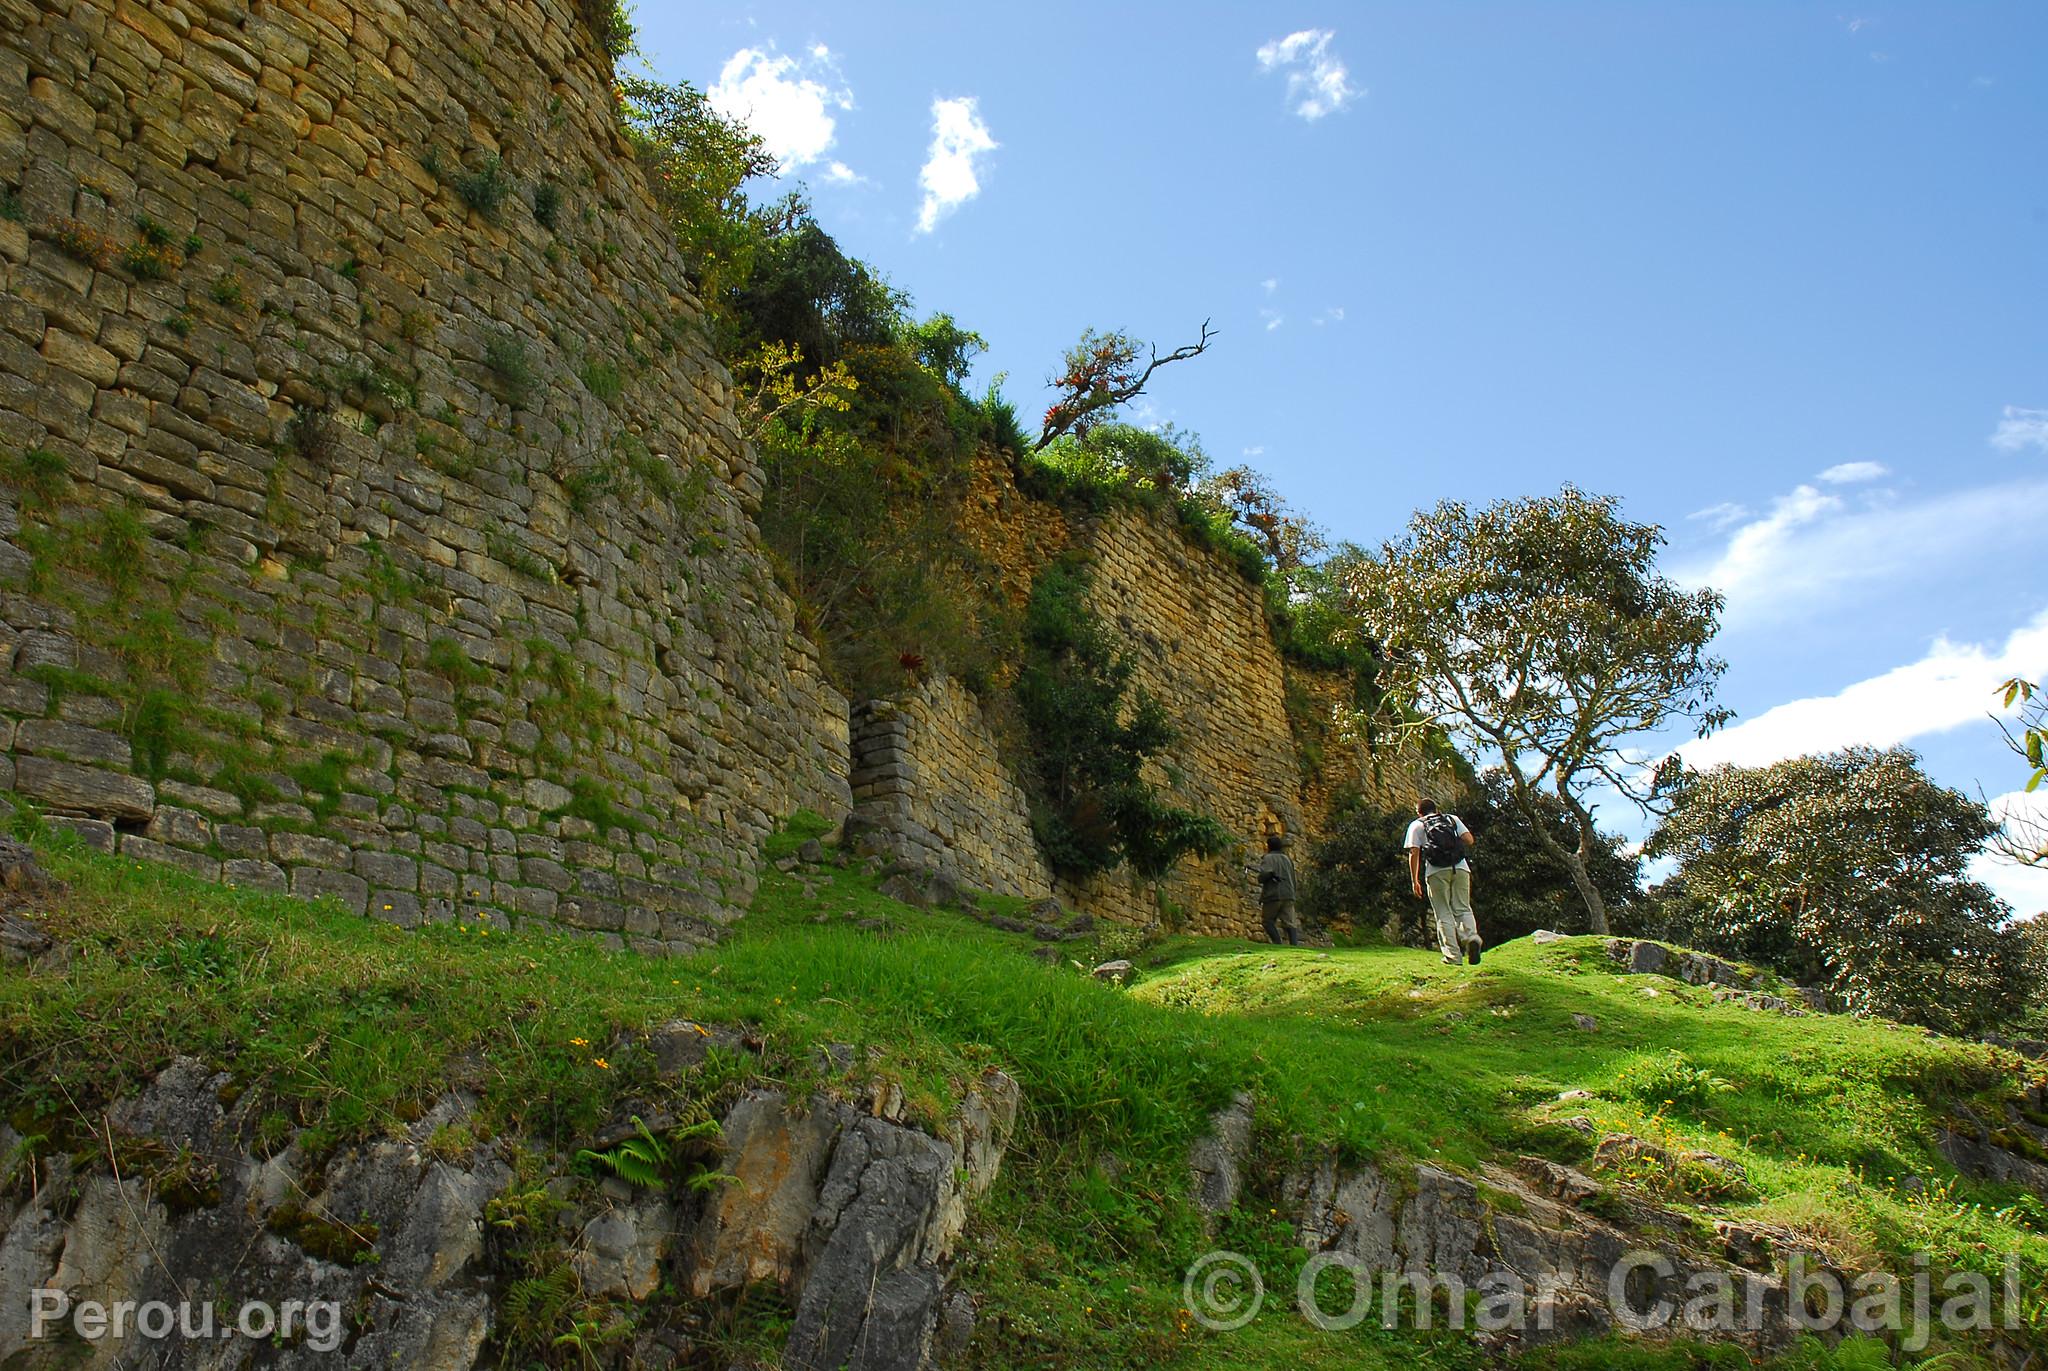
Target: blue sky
<point>1773,273</point>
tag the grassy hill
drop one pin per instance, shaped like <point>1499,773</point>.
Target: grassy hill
<point>349,1028</point>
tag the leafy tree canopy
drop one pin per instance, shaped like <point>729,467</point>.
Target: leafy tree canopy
<point>1539,631</point>
<point>1848,871</point>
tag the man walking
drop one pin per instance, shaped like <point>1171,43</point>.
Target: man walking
<point>1276,893</point>
<point>1437,844</point>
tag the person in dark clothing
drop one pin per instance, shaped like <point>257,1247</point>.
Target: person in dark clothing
<point>1276,893</point>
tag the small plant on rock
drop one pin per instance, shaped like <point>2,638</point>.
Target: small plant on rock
<point>82,243</point>
<point>312,433</point>
<point>484,190</point>
<point>39,475</point>
<point>505,354</point>
<point>547,204</point>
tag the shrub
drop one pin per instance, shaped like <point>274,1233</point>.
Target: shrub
<point>1091,732</point>
<point>1000,423</point>
<point>312,433</point>
<point>226,290</point>
<point>11,208</point>
<point>611,24</point>
<point>39,475</point>
<point>696,161</point>
<point>603,380</point>
<point>484,189</point>
<point>1670,1078</point>
<point>506,355</point>
<point>547,203</point>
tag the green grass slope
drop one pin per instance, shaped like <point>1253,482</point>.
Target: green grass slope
<point>347,1027</point>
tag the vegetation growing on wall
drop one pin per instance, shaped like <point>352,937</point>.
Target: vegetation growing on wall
<point>1091,733</point>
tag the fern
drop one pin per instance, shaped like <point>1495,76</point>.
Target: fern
<point>638,1161</point>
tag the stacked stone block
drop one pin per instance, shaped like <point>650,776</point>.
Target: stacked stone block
<point>927,771</point>
<point>362,535</point>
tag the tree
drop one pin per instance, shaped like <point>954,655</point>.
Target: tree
<point>944,348</point>
<point>1849,871</point>
<point>1101,374</point>
<point>1539,631</point>
<point>1359,868</point>
<point>697,162</point>
<point>2023,838</point>
<point>1289,541</point>
<point>804,291</point>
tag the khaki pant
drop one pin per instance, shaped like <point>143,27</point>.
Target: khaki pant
<point>1279,918</point>
<point>1450,899</point>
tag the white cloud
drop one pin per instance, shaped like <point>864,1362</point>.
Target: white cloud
<point>2021,429</point>
<point>1256,450</point>
<point>1317,82</point>
<point>1275,322</point>
<point>1333,314</point>
<point>1721,516</point>
<point>1953,685</point>
<point>2025,888</point>
<point>950,177</point>
<point>788,101</point>
<point>841,174</point>
<point>1270,284</point>
<point>1851,473</point>
<point>1814,548</point>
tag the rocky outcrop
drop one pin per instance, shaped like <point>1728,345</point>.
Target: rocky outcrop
<point>388,1232</point>
<point>1530,1230</point>
<point>1218,1157</point>
<point>852,1212</point>
<point>1731,983</point>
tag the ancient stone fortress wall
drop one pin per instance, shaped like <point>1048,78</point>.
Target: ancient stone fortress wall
<point>927,766</point>
<point>374,521</point>
<point>928,772</point>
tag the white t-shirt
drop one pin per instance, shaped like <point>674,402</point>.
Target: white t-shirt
<point>1417,839</point>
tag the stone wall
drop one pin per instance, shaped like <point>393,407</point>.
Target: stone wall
<point>928,772</point>
<point>928,768</point>
<point>373,517</point>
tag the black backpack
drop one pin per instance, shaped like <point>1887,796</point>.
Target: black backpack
<point>1441,846</point>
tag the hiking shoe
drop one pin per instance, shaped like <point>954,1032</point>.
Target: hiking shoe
<point>1472,950</point>
<point>1452,961</point>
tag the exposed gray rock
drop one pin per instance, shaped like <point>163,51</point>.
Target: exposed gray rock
<point>620,1251</point>
<point>752,1230</point>
<point>907,889</point>
<point>1543,936</point>
<point>1119,971</point>
<point>1648,959</point>
<point>1218,1155</point>
<point>681,1044</point>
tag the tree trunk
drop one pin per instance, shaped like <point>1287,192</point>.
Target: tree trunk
<point>1574,862</point>
<point>1596,908</point>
